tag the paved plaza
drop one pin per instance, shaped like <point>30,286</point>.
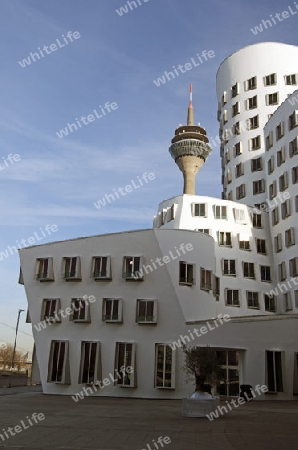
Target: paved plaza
<point>133,424</point>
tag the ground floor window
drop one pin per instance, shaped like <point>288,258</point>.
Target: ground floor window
<point>58,369</point>
<point>125,364</point>
<point>90,362</point>
<point>228,383</point>
<point>164,367</point>
<point>274,371</point>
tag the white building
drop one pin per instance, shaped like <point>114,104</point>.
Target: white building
<point>202,276</point>
<point>251,84</point>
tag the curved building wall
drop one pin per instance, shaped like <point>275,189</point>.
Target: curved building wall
<point>251,84</point>
<point>281,163</point>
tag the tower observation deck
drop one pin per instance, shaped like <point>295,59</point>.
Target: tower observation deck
<point>190,148</point>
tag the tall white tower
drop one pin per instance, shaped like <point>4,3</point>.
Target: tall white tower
<point>251,84</point>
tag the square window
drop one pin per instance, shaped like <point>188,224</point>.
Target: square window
<point>272,99</point>
<point>257,164</point>
<point>132,268</point>
<point>253,122</point>
<point>258,187</point>
<point>251,83</point>
<point>199,209</point>
<point>248,270</point>
<point>253,102</point>
<point>220,212</point>
<point>255,143</point>
<point>225,238</point>
<point>71,268</point>
<point>252,299</point>
<point>80,310</point>
<point>146,311</point>
<point>101,267</point>
<point>50,311</point>
<point>291,79</point>
<point>229,267</point>
<point>112,310</point>
<point>270,80</point>
<point>44,269</point>
<point>232,297</point>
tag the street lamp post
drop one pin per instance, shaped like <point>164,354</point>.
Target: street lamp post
<point>15,341</point>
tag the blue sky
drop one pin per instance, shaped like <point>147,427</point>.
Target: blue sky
<point>115,59</point>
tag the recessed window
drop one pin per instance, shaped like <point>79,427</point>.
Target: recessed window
<point>90,365</point>
<point>258,187</point>
<point>50,310</point>
<point>272,99</point>
<point>261,246</point>
<point>293,147</point>
<point>203,230</point>
<point>274,371</point>
<point>278,243</point>
<point>270,303</point>
<point>270,80</point>
<point>225,116</point>
<point>229,267</point>
<point>293,120</point>
<point>269,140</point>
<point>252,299</point>
<point>251,83</point>
<point>252,102</point>
<point>265,272</point>
<point>244,242</point>
<point>146,311</point>
<point>280,131</point>
<point>293,265</point>
<point>240,191</point>
<point>282,271</point>
<point>256,164</point>
<point>132,268</point>
<point>235,90</point>
<point>248,270</point>
<point>271,165</point>
<point>71,268</point>
<point>220,212</point>
<point>206,280</point>
<point>186,273</point>
<point>80,310</point>
<point>101,267</point>
<point>290,237</point>
<point>237,149</point>
<point>225,238</point>
<point>239,170</point>
<point>125,364</point>
<point>253,122</point>
<point>281,156</point>
<point>275,216</point>
<point>44,269</point>
<point>288,305</point>
<point>272,190</point>
<point>235,109</point>
<point>236,128</point>
<point>172,212</point>
<point>58,368</point>
<point>232,297</point>
<point>283,181</point>
<point>199,209</point>
<point>112,310</point>
<point>257,220</point>
<point>295,175</point>
<point>255,143</point>
<point>291,80</point>
<point>286,209</point>
<point>164,367</point>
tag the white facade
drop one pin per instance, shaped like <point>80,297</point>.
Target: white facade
<point>202,276</point>
<point>251,84</point>
<point>281,165</point>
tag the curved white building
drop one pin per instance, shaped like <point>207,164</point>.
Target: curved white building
<point>281,166</point>
<point>250,85</point>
